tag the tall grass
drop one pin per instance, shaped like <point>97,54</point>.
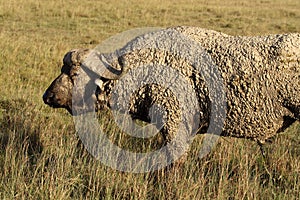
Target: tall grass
<point>41,157</point>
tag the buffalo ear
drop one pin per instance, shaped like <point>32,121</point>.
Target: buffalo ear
<point>100,84</point>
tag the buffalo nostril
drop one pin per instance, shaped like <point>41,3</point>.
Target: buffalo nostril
<point>45,96</point>
<point>48,97</point>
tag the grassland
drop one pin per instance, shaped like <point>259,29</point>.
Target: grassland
<point>41,157</point>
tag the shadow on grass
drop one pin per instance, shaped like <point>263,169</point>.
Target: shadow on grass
<point>18,129</point>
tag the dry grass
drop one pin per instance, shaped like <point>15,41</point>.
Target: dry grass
<point>41,157</point>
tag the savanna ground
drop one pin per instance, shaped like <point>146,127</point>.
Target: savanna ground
<point>41,156</point>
